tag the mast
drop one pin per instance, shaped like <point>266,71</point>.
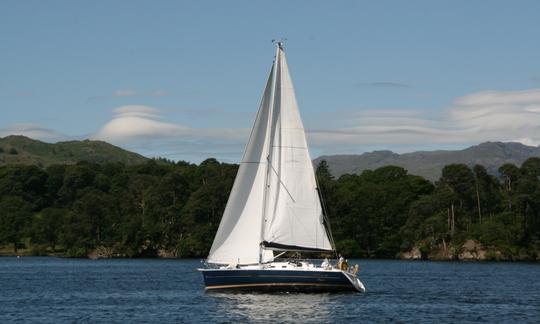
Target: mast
<point>279,45</point>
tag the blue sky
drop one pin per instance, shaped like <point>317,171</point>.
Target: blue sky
<point>183,79</point>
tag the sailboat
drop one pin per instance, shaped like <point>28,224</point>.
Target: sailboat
<point>275,207</point>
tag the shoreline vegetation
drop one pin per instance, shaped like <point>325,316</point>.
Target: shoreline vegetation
<point>167,209</point>
<point>471,251</point>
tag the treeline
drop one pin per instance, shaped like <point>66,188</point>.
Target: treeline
<point>133,211</point>
<point>386,212</point>
<point>163,208</point>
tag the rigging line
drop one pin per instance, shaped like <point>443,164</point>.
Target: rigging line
<point>279,178</point>
<point>325,216</point>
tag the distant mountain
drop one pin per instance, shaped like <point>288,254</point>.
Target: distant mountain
<point>429,164</point>
<point>17,149</point>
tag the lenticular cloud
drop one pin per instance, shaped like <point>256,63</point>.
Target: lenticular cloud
<point>499,115</point>
<point>136,122</point>
<point>508,116</point>
<point>478,117</point>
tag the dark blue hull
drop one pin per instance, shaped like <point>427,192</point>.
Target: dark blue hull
<point>276,280</point>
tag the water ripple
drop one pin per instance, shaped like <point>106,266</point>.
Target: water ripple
<point>52,290</point>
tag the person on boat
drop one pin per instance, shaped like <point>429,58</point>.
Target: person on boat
<point>340,261</point>
<point>345,265</point>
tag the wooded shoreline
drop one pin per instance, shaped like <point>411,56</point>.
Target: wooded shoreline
<point>398,258</point>
<point>162,208</point>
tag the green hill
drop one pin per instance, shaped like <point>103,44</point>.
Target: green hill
<point>15,149</point>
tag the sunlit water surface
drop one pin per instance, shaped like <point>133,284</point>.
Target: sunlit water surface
<point>53,290</point>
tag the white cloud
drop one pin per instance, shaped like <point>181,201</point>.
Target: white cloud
<point>136,110</point>
<point>471,119</point>
<point>486,98</point>
<point>132,123</point>
<point>31,130</point>
<point>499,115</point>
<point>478,117</point>
<point>141,128</point>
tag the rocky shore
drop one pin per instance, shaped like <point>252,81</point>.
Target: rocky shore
<point>103,252</point>
<point>470,250</point>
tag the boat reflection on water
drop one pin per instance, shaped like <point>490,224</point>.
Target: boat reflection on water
<point>273,307</point>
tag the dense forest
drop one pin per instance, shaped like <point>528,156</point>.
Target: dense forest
<point>168,209</point>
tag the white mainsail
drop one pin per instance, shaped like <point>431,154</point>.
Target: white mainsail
<point>294,218</point>
<point>274,201</point>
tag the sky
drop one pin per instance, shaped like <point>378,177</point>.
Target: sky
<point>183,79</point>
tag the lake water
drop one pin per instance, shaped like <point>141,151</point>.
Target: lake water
<point>44,289</point>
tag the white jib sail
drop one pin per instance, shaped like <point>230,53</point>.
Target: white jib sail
<point>293,217</point>
<point>239,234</point>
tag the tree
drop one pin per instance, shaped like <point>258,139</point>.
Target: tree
<point>458,179</point>
<point>531,167</point>
<point>139,210</point>
<point>47,226</point>
<point>95,209</point>
<point>76,178</point>
<point>370,209</point>
<point>488,193</point>
<point>15,215</point>
<point>510,174</point>
<point>204,208</point>
<point>27,182</point>
<point>527,198</point>
<point>323,171</point>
